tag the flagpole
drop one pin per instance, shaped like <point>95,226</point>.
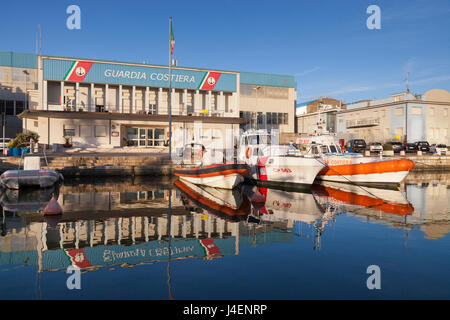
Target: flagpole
<point>170,89</point>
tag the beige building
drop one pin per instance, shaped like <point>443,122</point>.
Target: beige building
<point>399,117</point>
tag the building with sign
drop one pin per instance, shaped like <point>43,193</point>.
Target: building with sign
<point>116,104</point>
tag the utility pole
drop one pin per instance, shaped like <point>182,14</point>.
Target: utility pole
<point>406,110</point>
<point>169,100</point>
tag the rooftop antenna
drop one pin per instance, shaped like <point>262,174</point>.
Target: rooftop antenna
<point>407,85</point>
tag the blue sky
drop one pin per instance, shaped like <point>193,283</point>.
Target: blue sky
<point>324,44</point>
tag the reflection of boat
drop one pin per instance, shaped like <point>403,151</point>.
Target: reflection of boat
<point>226,176</point>
<point>353,167</point>
<point>228,204</point>
<point>282,205</point>
<point>26,200</point>
<point>386,200</point>
<point>31,176</point>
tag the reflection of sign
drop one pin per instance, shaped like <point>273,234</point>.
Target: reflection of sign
<point>397,136</point>
<point>204,111</point>
<point>78,258</point>
<point>115,133</point>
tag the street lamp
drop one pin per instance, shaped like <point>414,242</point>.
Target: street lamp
<point>26,104</point>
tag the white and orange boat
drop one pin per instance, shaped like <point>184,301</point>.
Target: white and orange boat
<point>225,176</point>
<point>277,165</point>
<point>353,167</point>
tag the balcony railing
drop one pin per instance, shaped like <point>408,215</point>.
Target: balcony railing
<point>176,110</point>
<point>368,122</point>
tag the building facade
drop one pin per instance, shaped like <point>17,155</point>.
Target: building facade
<point>116,104</point>
<point>400,117</point>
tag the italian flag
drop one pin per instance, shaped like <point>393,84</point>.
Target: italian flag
<point>172,39</point>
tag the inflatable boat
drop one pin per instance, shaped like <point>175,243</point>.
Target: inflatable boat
<point>225,176</point>
<point>43,178</point>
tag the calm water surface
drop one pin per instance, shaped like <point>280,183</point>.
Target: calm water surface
<point>148,239</point>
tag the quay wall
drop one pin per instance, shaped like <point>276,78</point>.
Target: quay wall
<point>158,165</point>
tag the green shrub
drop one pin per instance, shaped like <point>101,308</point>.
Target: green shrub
<point>387,147</point>
<point>22,140</point>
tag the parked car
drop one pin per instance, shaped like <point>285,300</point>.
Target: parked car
<point>375,147</point>
<point>4,143</point>
<point>438,148</point>
<point>423,146</point>
<point>396,146</point>
<point>410,147</point>
<point>356,145</point>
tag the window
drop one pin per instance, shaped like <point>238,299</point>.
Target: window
<point>431,111</point>
<point>100,131</point>
<point>69,132</point>
<point>99,108</point>
<point>7,106</point>
<point>286,118</point>
<point>445,112</point>
<point>399,111</point>
<point>19,107</point>
<point>416,110</point>
<point>85,131</point>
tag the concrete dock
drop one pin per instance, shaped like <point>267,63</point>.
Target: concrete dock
<point>158,164</point>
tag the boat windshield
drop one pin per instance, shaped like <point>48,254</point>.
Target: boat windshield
<point>259,139</point>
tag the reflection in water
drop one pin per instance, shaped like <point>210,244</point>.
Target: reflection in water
<point>126,224</point>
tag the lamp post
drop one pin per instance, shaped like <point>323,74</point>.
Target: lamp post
<point>26,104</point>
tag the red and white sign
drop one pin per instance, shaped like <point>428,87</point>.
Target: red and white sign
<point>78,258</point>
<point>209,81</point>
<point>78,71</point>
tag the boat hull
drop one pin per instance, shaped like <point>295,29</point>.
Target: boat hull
<point>376,172</point>
<point>288,171</point>
<point>225,176</point>
<point>16,179</point>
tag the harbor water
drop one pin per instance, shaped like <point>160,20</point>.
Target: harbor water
<point>142,238</point>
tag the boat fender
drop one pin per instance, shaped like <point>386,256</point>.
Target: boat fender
<point>248,152</point>
<point>52,208</point>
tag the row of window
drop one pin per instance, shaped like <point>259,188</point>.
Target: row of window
<point>85,131</point>
<point>266,118</point>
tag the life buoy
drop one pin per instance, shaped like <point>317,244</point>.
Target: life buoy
<point>200,154</point>
<point>248,152</point>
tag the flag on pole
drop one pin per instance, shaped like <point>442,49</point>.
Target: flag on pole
<point>172,39</point>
